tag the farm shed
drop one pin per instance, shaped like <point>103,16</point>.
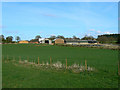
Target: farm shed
<point>23,41</point>
<point>83,42</point>
<point>45,40</point>
<point>92,41</point>
<point>59,41</point>
<point>71,41</point>
<point>41,40</point>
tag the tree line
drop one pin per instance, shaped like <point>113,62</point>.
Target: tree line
<point>9,39</point>
<point>109,38</point>
<point>106,38</point>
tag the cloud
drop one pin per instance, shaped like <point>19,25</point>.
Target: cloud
<point>95,33</point>
<point>98,32</point>
<point>107,33</point>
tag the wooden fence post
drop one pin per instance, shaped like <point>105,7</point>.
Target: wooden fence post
<point>38,60</point>
<point>66,63</point>
<point>85,65</point>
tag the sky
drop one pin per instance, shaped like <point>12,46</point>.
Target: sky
<point>28,19</point>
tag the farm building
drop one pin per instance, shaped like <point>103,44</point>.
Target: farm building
<point>23,41</point>
<point>83,42</point>
<point>59,41</point>
<point>92,41</point>
<point>72,41</point>
<point>34,41</point>
<point>45,40</point>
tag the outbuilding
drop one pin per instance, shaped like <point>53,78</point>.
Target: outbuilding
<point>45,40</point>
<point>23,41</point>
<point>59,41</point>
<point>71,41</point>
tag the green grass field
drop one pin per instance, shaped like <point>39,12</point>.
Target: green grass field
<point>17,76</point>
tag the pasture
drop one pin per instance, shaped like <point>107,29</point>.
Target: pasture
<point>17,76</point>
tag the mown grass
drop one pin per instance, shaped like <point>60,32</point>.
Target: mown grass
<point>105,61</point>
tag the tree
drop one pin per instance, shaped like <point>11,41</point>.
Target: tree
<point>118,39</point>
<point>86,37</point>
<point>112,39</point>
<point>91,38</point>
<point>74,37</point>
<point>52,37</point>
<point>17,38</point>
<point>37,37</point>
<point>60,36</point>
<point>102,39</point>
<point>2,38</point>
<point>109,38</point>
<point>9,39</point>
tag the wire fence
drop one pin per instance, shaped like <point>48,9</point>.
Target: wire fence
<point>56,64</point>
<point>59,63</point>
<point>39,59</point>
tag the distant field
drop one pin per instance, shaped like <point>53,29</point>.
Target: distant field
<point>103,60</point>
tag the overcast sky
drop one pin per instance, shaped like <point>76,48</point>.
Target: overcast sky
<point>28,19</point>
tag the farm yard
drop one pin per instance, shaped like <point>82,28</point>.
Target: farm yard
<point>104,64</point>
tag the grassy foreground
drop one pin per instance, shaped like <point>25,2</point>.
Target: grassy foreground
<point>17,76</point>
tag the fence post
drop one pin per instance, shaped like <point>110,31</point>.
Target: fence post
<point>66,63</point>
<point>85,65</point>
<point>38,60</point>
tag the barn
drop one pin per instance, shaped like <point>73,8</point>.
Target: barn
<point>59,41</point>
<point>45,40</point>
<point>23,41</point>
